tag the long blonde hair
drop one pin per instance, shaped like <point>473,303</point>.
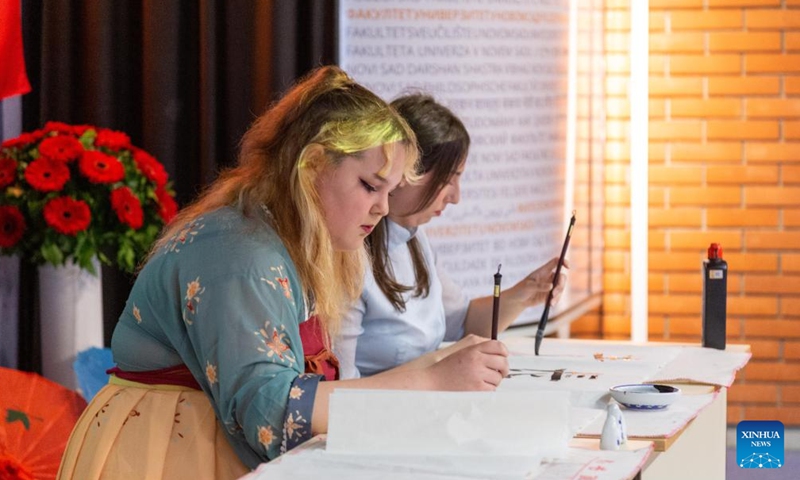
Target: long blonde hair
<point>277,168</point>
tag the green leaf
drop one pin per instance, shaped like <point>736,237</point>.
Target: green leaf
<point>52,254</point>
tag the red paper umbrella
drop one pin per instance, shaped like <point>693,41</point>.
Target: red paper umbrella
<point>37,416</point>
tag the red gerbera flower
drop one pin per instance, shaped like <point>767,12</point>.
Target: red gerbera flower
<point>112,139</point>
<point>12,226</point>
<point>66,215</point>
<point>8,171</point>
<point>62,148</point>
<point>150,167</point>
<point>99,167</point>
<point>20,141</point>
<point>58,127</point>
<point>128,208</point>
<point>47,175</point>
<point>79,130</point>
<point>167,207</point>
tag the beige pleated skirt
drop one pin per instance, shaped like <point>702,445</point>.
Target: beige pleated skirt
<point>135,431</point>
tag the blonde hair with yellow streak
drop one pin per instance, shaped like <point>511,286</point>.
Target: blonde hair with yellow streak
<point>324,118</point>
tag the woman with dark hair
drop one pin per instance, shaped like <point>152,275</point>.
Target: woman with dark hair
<point>408,306</point>
<point>223,344</point>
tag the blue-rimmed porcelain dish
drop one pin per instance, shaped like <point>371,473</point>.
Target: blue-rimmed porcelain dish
<point>644,396</point>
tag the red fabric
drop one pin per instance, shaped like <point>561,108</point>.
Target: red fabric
<point>177,375</point>
<point>318,358</point>
<point>13,80</point>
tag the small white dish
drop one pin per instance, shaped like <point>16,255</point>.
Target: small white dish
<point>644,396</point>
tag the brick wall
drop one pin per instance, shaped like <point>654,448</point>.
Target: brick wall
<point>724,167</point>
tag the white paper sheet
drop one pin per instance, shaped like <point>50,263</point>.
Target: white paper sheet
<point>657,423</point>
<point>448,423</point>
<point>703,365</point>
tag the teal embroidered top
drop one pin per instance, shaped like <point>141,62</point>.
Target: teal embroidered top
<point>223,298</point>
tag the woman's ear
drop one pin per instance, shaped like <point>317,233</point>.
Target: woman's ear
<point>313,159</point>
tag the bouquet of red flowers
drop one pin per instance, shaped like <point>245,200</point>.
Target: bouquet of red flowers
<point>75,192</point>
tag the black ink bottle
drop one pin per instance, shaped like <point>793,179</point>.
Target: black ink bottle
<point>715,298</point>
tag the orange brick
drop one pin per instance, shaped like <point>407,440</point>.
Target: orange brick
<point>720,107</point>
<point>791,350</point>
<point>655,283</point>
<point>657,196</point>
<point>657,240</point>
<point>772,240</point>
<point>691,20</point>
<point>617,108</point>
<point>790,174</point>
<point>761,196</point>
<point>675,4</point>
<point>619,151</point>
<point>791,85</point>
<point>676,175</point>
<point>792,41</point>
<point>791,218</point>
<point>614,261</point>
<point>728,217</point>
<point>617,195</point>
<point>675,217</point>
<point>742,174</point>
<point>773,19</point>
<point>617,64</point>
<point>772,371</point>
<point>616,174</point>
<point>699,241</point>
<point>616,85</point>
<point>657,151</point>
<point>752,262</point>
<point>734,129</point>
<point>705,196</point>
<point>772,108</point>
<point>675,262</point>
<point>674,304</point>
<point>656,328</point>
<point>752,306</point>
<point>616,282</point>
<point>680,327</point>
<point>615,217</point>
<point>790,393</point>
<point>677,42</point>
<point>735,414</point>
<point>616,327</point>
<point>617,42</point>
<point>753,393</point>
<point>657,108</point>
<point>676,130</point>
<point>676,86</point>
<point>790,262</point>
<point>772,152</point>
<point>657,21</point>
<point>790,307</point>
<point>755,283</point>
<point>771,63</point>
<point>743,86</point>
<point>789,416</point>
<point>744,42</point>
<point>765,349</point>
<point>743,3</point>
<point>657,64</point>
<point>791,130</point>
<point>616,238</point>
<point>708,152</point>
<point>705,64</point>
<point>615,303</point>
<point>616,130</point>
<point>617,21</point>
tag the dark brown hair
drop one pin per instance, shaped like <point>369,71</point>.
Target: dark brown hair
<point>443,142</point>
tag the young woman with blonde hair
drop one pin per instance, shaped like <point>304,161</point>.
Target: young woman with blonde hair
<point>221,348</point>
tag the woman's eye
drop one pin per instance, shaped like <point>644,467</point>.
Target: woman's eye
<point>368,187</point>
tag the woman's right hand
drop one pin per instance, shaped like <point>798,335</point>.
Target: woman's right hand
<point>477,367</point>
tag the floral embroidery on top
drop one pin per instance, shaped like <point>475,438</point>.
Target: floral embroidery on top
<point>294,426</point>
<point>193,292</point>
<point>184,235</point>
<point>136,314</point>
<point>296,392</point>
<point>211,373</point>
<point>265,436</point>
<point>282,280</point>
<point>276,344</point>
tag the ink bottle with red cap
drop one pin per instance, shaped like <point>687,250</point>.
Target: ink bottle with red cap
<point>715,298</point>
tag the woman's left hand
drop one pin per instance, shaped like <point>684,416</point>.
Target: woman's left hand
<point>533,289</point>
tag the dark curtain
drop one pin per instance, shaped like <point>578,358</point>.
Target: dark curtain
<point>183,78</point>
